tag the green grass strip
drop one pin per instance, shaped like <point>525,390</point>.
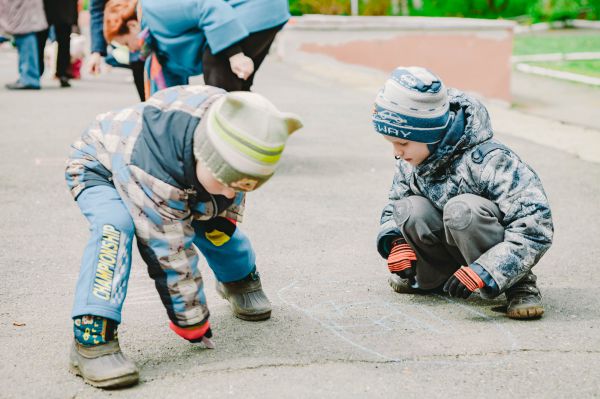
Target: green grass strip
<point>587,67</point>
<point>556,42</point>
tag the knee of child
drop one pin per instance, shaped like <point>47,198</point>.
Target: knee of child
<point>457,213</point>
<point>408,210</point>
<point>121,223</point>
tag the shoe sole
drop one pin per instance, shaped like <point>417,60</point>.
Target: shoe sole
<point>113,383</point>
<point>534,312</point>
<point>244,316</point>
<point>252,317</point>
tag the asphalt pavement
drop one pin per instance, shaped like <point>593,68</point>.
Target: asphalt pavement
<point>337,330</point>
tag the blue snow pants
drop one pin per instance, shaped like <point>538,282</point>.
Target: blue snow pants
<point>107,255</point>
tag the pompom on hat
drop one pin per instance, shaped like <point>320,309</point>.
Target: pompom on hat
<point>412,105</point>
<point>241,139</point>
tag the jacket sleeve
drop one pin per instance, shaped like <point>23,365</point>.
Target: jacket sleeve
<point>98,44</point>
<point>165,237</point>
<point>89,163</point>
<point>527,219</point>
<point>166,245</point>
<point>220,25</point>
<point>388,229</point>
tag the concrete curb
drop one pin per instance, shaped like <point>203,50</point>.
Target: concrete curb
<point>573,77</point>
<point>544,26</point>
<point>584,143</point>
<point>340,22</point>
<point>581,56</point>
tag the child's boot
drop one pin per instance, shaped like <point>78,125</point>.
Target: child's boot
<point>524,299</point>
<point>403,285</point>
<point>96,355</point>
<point>246,297</point>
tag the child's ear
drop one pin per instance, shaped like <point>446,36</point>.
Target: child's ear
<point>293,122</point>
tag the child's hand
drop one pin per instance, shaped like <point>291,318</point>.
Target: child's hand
<point>241,65</point>
<point>463,282</point>
<point>94,63</point>
<point>195,334</point>
<point>400,259</point>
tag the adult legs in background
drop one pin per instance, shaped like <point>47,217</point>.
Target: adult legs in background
<point>63,56</point>
<point>42,38</point>
<point>29,63</point>
<point>137,70</point>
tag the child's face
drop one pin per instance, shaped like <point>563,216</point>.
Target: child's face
<point>130,39</point>
<point>212,185</point>
<point>411,151</point>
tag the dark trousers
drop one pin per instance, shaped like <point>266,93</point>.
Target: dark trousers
<point>137,69</point>
<point>217,71</point>
<point>443,241</point>
<point>63,58</point>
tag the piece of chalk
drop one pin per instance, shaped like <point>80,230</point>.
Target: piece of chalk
<point>208,343</point>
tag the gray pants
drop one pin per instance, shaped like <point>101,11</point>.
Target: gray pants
<point>443,241</point>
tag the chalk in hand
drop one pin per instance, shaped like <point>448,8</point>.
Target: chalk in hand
<point>208,343</point>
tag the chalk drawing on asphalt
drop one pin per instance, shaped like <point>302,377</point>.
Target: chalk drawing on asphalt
<point>351,322</point>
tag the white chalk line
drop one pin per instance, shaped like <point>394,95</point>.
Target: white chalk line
<point>337,333</point>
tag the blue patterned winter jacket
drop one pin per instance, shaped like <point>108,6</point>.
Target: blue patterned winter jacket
<point>146,153</point>
<point>470,161</point>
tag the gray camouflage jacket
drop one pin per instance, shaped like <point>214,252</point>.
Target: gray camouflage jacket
<point>468,160</point>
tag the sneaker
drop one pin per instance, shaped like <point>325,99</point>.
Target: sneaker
<point>524,299</point>
<point>20,86</point>
<point>402,286</point>
<point>246,298</point>
<point>103,366</point>
<point>64,81</point>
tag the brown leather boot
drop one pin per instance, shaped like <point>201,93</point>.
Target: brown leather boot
<point>524,299</point>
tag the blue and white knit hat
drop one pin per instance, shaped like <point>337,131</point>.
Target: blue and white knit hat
<point>412,105</point>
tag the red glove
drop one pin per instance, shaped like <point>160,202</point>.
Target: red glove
<point>400,259</point>
<point>463,282</point>
<point>195,334</point>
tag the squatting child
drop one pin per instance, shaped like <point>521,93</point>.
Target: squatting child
<point>172,172</point>
<point>465,212</point>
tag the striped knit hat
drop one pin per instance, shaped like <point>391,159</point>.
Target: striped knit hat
<point>242,138</point>
<point>412,105</point>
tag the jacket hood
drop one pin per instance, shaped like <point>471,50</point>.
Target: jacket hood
<point>471,125</point>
